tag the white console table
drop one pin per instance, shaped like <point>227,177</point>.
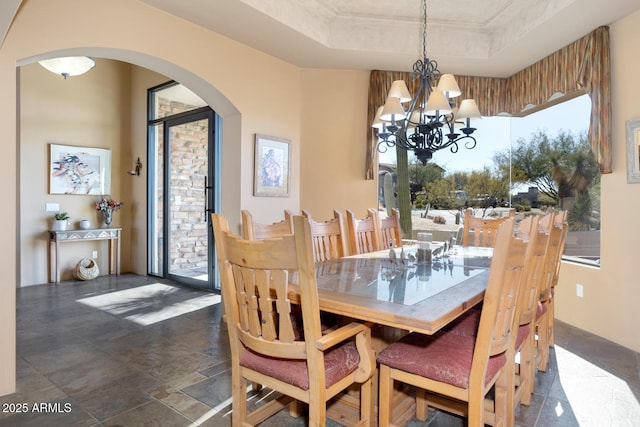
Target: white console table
<point>56,238</point>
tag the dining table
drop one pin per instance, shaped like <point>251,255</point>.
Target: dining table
<point>396,294</point>
<point>402,293</point>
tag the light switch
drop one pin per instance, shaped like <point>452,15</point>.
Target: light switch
<point>52,207</point>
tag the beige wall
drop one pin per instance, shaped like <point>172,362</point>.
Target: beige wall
<point>91,110</point>
<point>333,137</point>
<point>611,293</point>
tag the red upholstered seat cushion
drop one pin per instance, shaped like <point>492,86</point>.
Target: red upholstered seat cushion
<point>444,357</point>
<point>338,363</point>
<point>466,325</point>
<point>542,309</point>
<point>523,333</point>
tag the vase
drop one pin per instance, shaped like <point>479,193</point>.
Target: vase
<point>60,224</point>
<point>107,217</point>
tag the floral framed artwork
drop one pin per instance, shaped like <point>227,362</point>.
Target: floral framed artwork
<point>79,170</point>
<point>271,169</point>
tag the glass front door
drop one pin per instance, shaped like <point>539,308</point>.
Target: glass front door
<point>181,196</point>
<point>188,201</point>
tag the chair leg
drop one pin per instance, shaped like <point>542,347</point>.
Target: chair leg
<point>385,396</point>
<point>366,405</point>
<point>239,399</point>
<point>509,375</point>
<point>422,407</point>
<point>295,408</point>
<point>527,369</point>
<point>475,417</point>
<point>503,387</point>
<point>543,345</point>
<point>550,322</point>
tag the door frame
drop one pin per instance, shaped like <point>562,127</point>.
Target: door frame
<point>211,202</point>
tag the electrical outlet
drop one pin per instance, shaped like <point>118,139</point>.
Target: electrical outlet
<point>95,254</point>
<point>579,290</point>
<point>52,207</point>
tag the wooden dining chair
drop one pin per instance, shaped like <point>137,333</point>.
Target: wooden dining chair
<point>255,277</point>
<point>363,233</point>
<point>478,231</point>
<point>390,231</point>
<point>560,220</point>
<point>521,366</point>
<point>544,319</point>
<point>329,238</point>
<point>449,368</point>
<point>524,341</point>
<point>255,231</point>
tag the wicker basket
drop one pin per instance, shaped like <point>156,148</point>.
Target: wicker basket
<point>87,269</point>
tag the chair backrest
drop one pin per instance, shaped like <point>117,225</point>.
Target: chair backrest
<point>557,232</point>
<point>390,230</point>
<point>363,233</point>
<point>328,237</point>
<point>506,278</point>
<point>559,219</point>
<point>484,229</point>
<point>530,229</point>
<point>255,231</point>
<point>255,276</point>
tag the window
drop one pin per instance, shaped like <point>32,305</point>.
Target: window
<point>527,163</point>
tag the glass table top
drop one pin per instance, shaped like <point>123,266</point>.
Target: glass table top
<point>405,283</point>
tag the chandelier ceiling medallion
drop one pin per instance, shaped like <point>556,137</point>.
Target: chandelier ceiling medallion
<point>429,123</point>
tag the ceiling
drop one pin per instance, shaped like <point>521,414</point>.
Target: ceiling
<point>470,37</point>
<point>473,37</point>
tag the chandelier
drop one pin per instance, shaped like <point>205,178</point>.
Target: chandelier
<point>432,119</point>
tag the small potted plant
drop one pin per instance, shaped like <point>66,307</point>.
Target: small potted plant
<point>61,221</point>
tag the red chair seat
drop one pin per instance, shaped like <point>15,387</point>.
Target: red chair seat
<point>542,309</point>
<point>523,333</point>
<point>444,357</point>
<point>338,363</point>
<point>466,325</point>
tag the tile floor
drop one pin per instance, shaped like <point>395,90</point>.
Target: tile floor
<point>136,351</point>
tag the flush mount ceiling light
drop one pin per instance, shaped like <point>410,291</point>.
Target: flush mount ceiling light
<point>69,65</point>
<point>429,123</point>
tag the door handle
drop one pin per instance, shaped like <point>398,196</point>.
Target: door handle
<point>206,200</point>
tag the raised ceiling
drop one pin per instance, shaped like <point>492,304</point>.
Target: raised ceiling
<point>473,37</point>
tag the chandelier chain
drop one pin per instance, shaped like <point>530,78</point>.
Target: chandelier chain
<point>424,30</point>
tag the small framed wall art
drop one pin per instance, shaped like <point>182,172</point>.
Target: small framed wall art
<point>271,169</point>
<point>79,170</point>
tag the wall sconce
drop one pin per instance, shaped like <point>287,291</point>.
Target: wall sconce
<point>136,170</point>
<point>69,65</point>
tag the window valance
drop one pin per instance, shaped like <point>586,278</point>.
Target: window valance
<point>581,67</point>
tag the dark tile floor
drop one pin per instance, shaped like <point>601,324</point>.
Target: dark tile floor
<point>136,351</point>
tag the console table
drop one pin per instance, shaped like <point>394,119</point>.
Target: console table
<point>58,237</point>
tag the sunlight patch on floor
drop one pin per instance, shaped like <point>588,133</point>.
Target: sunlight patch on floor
<point>592,392</point>
<point>146,305</point>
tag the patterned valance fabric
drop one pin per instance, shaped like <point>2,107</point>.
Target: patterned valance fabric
<point>580,67</point>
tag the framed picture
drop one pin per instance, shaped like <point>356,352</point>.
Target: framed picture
<point>271,169</point>
<point>79,170</point>
<point>633,150</point>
